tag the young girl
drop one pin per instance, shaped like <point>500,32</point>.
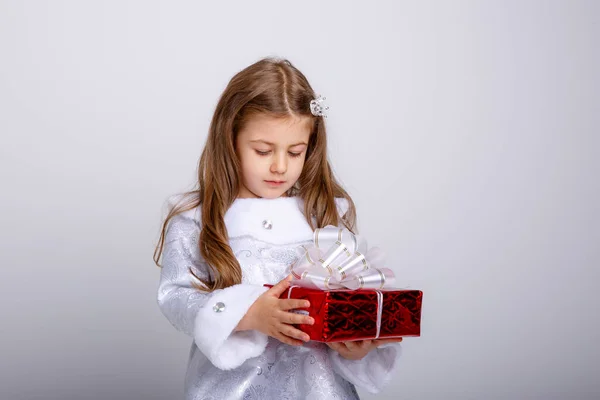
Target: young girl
<point>264,185</point>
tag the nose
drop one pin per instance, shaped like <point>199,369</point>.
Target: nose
<point>279,164</point>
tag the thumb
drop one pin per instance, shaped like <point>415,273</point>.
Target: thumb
<point>281,286</point>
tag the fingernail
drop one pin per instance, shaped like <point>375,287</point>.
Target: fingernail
<point>307,304</point>
<point>311,321</point>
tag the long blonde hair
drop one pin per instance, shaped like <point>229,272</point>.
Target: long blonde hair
<point>276,88</point>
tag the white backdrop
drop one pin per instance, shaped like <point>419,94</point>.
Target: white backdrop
<point>466,131</point>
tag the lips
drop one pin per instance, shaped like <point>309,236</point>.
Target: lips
<point>274,184</point>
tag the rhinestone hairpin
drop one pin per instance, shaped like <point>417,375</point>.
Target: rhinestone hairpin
<point>318,107</point>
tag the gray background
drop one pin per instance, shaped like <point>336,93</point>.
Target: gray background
<point>467,133</point>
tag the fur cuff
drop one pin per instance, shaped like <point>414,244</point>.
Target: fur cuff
<point>216,321</point>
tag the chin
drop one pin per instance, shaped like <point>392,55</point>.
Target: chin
<point>272,195</point>
<point>263,192</point>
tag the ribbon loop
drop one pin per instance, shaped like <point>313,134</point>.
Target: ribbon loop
<point>338,259</point>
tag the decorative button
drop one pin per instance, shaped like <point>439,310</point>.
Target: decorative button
<point>267,224</point>
<point>219,307</point>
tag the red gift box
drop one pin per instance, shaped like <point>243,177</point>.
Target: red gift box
<point>347,315</point>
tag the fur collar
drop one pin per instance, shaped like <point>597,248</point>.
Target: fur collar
<point>284,215</point>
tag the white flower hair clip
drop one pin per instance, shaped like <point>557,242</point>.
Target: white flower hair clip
<point>318,107</point>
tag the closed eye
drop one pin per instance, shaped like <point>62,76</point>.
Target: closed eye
<point>266,153</point>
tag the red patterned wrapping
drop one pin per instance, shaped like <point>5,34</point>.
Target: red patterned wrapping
<point>347,315</point>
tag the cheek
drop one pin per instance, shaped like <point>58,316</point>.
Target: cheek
<point>244,164</point>
<point>251,165</point>
<point>298,167</point>
<point>245,157</point>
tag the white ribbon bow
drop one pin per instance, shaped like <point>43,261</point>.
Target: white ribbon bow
<point>340,260</point>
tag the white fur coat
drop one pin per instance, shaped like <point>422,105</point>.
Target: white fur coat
<point>264,234</point>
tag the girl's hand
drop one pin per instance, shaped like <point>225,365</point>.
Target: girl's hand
<point>270,315</point>
<point>358,349</point>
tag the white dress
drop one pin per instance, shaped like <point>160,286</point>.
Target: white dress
<point>225,365</point>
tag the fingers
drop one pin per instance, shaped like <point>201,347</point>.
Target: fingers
<point>294,333</point>
<point>283,330</point>
<point>337,346</point>
<point>360,345</point>
<point>289,335</point>
<point>280,287</point>
<point>288,340</point>
<point>292,304</point>
<point>352,346</point>
<point>294,319</point>
<point>379,342</point>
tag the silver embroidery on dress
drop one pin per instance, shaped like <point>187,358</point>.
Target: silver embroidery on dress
<point>281,371</point>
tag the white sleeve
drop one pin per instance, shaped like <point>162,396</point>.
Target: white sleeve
<point>209,317</point>
<point>371,373</point>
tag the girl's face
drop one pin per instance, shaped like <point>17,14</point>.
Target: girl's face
<point>272,153</point>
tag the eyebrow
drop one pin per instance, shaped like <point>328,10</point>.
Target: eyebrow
<point>273,144</point>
